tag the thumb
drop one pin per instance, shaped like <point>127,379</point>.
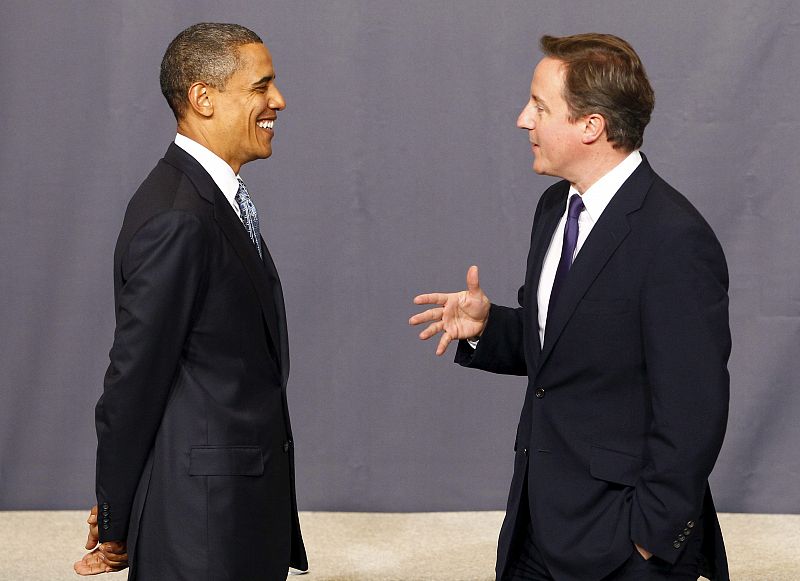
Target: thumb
<point>91,541</point>
<point>473,284</point>
<point>93,537</point>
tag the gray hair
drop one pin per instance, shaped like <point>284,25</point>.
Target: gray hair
<point>207,52</point>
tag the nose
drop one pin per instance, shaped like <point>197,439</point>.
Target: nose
<point>276,102</point>
<point>526,118</point>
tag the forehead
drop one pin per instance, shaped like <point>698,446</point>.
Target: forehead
<point>256,62</point>
<point>548,78</point>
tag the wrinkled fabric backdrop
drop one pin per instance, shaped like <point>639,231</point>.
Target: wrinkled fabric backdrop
<point>397,164</point>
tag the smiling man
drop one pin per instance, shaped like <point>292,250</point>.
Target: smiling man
<point>622,331</point>
<point>195,459</point>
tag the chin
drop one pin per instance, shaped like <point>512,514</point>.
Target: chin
<point>264,153</point>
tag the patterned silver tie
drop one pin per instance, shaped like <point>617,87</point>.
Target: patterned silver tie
<point>249,215</point>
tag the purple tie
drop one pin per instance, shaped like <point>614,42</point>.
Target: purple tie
<point>567,249</point>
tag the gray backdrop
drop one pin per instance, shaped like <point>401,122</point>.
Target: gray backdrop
<point>397,165</point>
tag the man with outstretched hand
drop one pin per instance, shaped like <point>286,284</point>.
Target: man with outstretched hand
<point>622,330</point>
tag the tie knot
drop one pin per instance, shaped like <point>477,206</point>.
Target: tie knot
<point>242,192</point>
<point>575,207</point>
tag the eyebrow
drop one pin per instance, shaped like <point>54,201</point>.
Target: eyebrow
<point>539,100</point>
<point>264,80</point>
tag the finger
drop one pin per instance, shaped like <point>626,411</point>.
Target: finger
<point>92,515</point>
<point>113,565</point>
<point>116,553</point>
<point>91,540</point>
<point>116,547</point>
<point>473,282</point>
<point>443,343</point>
<point>112,561</point>
<point>114,558</point>
<point>431,299</point>
<point>431,330</point>
<point>425,316</point>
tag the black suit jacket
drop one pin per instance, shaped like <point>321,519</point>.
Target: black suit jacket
<point>195,459</point>
<point>627,401</point>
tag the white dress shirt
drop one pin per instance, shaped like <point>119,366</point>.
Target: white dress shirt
<point>217,168</point>
<point>595,200</point>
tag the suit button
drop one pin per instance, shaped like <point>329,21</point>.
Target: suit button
<point>524,451</point>
<point>106,527</point>
<point>676,544</point>
<point>105,513</point>
<point>286,446</point>
<point>540,393</point>
<point>105,506</point>
<point>687,531</point>
<point>681,538</point>
<point>690,524</point>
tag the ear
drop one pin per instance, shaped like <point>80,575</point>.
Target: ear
<point>594,126</point>
<point>200,99</point>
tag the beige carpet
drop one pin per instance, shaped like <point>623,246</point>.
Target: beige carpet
<point>454,546</point>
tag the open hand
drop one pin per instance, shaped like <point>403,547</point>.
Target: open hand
<point>460,315</point>
<point>106,558</point>
<point>103,559</point>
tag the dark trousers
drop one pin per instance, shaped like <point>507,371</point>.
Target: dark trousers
<point>527,564</point>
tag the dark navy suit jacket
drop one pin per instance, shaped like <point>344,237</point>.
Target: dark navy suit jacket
<point>195,459</point>
<point>627,401</point>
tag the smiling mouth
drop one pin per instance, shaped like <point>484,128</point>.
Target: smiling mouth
<point>266,124</point>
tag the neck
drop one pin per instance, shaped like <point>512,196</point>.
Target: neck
<point>205,138</point>
<point>598,165</point>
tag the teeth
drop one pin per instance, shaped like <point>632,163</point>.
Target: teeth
<point>266,124</point>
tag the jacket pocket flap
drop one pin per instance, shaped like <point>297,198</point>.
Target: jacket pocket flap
<point>226,461</point>
<point>614,466</point>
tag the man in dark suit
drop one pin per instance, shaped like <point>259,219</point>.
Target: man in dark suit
<point>622,330</point>
<point>195,462</point>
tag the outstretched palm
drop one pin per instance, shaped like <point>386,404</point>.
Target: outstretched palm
<point>460,315</point>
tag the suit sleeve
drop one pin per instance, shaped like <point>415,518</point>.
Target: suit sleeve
<point>162,273</point>
<point>687,343</point>
<point>501,347</point>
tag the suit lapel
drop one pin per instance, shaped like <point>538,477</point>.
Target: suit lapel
<point>236,234</point>
<point>605,237</point>
<point>280,310</point>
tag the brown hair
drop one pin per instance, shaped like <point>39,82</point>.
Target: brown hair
<point>207,52</point>
<point>604,75</point>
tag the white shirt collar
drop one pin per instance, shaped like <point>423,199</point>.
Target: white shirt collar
<point>217,168</point>
<point>597,197</point>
